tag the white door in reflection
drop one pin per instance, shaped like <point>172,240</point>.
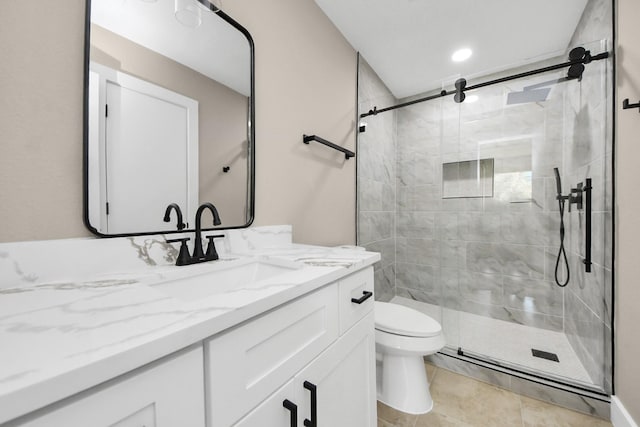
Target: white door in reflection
<point>147,155</point>
<point>144,134</point>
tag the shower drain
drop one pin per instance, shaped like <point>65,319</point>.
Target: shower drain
<point>545,355</point>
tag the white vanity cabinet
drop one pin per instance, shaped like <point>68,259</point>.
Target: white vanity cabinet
<point>336,389</point>
<point>343,381</point>
<point>296,353</point>
<point>308,362</point>
<point>167,393</point>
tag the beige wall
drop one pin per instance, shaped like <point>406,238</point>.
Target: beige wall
<point>41,119</point>
<point>305,83</point>
<point>627,322</point>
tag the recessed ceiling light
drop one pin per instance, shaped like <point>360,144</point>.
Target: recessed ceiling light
<point>461,55</point>
<point>471,98</point>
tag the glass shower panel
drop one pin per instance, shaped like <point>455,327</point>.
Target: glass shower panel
<point>509,302</point>
<point>418,278</point>
<point>588,155</point>
<point>509,309</point>
<point>450,242</point>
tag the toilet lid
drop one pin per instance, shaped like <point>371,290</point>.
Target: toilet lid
<point>401,320</point>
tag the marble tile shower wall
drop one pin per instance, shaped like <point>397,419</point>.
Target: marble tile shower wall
<point>588,154</point>
<point>376,180</point>
<point>489,256</point>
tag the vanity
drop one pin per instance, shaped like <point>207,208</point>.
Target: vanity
<point>291,342</point>
<point>110,332</point>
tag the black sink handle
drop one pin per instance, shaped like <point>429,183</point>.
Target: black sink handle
<point>183,257</point>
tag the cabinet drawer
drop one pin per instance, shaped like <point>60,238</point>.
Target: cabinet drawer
<point>246,364</point>
<point>166,393</point>
<point>354,287</point>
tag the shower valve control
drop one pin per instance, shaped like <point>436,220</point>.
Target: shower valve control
<point>575,198</point>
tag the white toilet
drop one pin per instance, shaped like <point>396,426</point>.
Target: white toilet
<point>403,337</point>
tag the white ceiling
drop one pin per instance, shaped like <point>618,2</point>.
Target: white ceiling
<point>409,43</point>
<point>214,49</point>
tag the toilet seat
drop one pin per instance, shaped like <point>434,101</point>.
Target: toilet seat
<point>401,320</point>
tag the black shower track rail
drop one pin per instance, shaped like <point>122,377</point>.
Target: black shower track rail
<point>585,60</point>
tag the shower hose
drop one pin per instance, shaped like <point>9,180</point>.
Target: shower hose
<point>561,251</point>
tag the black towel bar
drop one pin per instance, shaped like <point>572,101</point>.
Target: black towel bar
<point>347,153</point>
<point>626,105</point>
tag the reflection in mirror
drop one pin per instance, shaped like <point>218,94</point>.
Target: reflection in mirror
<point>168,115</point>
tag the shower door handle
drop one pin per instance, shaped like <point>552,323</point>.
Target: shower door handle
<point>587,225</point>
<point>313,422</point>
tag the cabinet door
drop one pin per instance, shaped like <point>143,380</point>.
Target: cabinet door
<point>272,412</point>
<point>168,393</point>
<point>344,381</point>
<point>246,364</point>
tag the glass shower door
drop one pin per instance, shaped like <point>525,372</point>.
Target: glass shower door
<point>499,188</point>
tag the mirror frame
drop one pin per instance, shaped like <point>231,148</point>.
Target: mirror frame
<point>251,185</point>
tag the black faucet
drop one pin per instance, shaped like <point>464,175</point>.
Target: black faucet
<point>198,253</point>
<point>167,214</point>
<point>184,258</point>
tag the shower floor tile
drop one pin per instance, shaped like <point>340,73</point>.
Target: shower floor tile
<point>504,341</point>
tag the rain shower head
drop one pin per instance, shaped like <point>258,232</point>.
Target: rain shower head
<point>528,95</point>
<point>538,92</point>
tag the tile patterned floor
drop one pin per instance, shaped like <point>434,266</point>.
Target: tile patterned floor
<point>461,401</point>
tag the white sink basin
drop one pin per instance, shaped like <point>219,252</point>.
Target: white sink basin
<point>224,277</point>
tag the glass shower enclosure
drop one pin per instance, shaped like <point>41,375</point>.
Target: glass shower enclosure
<point>463,202</point>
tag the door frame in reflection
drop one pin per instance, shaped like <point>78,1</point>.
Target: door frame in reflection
<point>101,154</point>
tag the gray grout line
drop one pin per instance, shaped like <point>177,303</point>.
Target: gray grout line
<point>521,408</point>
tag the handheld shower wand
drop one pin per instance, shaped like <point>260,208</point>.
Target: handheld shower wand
<point>558,182</point>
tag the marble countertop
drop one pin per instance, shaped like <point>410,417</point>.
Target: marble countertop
<point>60,337</point>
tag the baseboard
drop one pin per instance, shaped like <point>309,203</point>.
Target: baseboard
<point>619,415</point>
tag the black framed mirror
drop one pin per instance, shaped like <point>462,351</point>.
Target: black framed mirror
<point>169,108</point>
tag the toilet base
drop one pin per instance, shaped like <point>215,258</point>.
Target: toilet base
<point>403,385</point>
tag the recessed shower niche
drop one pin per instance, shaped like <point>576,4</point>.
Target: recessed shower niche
<point>506,177</point>
<point>470,178</point>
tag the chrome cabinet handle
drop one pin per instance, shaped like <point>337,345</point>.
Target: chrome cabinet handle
<point>293,408</point>
<point>365,296</point>
<point>313,422</point>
